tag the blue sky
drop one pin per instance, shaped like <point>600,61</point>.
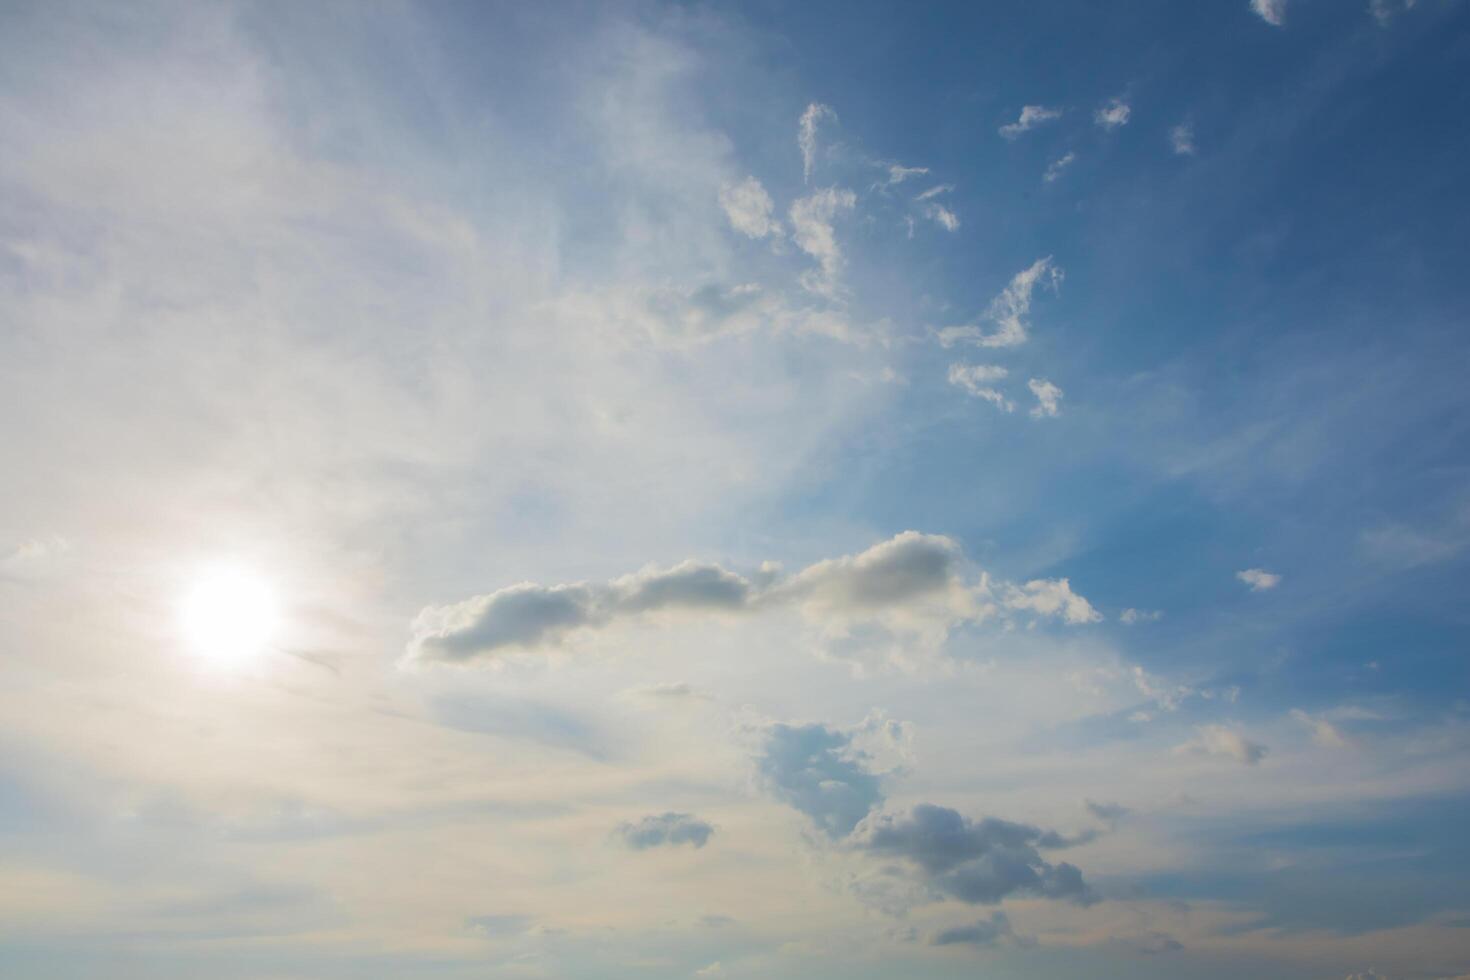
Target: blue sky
<point>750,490</point>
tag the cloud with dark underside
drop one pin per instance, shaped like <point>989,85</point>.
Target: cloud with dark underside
<point>665,830</point>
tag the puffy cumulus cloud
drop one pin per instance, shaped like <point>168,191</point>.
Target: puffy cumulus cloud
<point>1112,114</point>
<point>1048,398</point>
<point>1057,167</point>
<point>1031,117</point>
<point>1259,579</point>
<point>749,208</point>
<point>1272,12</point>
<point>1224,742</point>
<point>1130,617</point>
<point>979,380</point>
<point>985,932</point>
<point>1181,139</point>
<point>832,775</point>
<point>806,135</point>
<point>811,228</point>
<point>979,862</point>
<point>910,586</point>
<point>665,830</point>
<point>1052,597</point>
<point>1008,311</point>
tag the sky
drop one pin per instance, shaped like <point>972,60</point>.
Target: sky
<point>780,490</point>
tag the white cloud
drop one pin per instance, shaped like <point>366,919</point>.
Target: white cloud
<point>1031,117</point>
<point>806,135</point>
<point>1259,579</point>
<point>1181,138</point>
<point>942,216</point>
<point>897,173</point>
<point>1048,396</point>
<point>1324,732</point>
<point>1052,597</point>
<point>1224,742</point>
<point>749,208</point>
<point>1058,166</point>
<point>1132,616</point>
<point>1384,11</point>
<point>935,191</point>
<point>1272,12</point>
<point>1113,114</point>
<point>1008,311</point>
<point>811,228</point>
<point>977,380</point>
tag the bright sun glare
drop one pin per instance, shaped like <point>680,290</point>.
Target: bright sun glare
<point>228,615</point>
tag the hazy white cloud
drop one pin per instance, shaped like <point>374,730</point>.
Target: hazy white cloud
<point>811,228</point>
<point>806,135</point>
<point>1008,311</point>
<point>1057,167</point>
<point>1272,12</point>
<point>1132,616</point>
<point>985,932</point>
<point>942,216</point>
<point>1181,138</point>
<point>1048,398</point>
<point>1031,117</point>
<point>1324,732</point>
<point>1259,579</point>
<point>978,380</point>
<point>1112,114</point>
<point>1225,742</point>
<point>1052,597</point>
<point>749,208</point>
<point>935,191</point>
<point>1384,11</point>
<point>897,173</point>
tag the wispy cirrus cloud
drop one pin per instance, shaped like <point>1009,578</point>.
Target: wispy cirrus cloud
<point>1030,118</point>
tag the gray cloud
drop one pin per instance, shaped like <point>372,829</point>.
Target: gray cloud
<point>1107,812</point>
<point>986,932</point>
<point>665,829</point>
<point>978,862</point>
<point>911,583</point>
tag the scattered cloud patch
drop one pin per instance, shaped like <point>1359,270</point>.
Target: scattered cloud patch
<point>942,216</point>
<point>1052,597</point>
<point>1224,742</point>
<point>827,773</point>
<point>1109,813</point>
<point>897,173</point>
<point>1259,579</point>
<point>1181,139</point>
<point>1272,12</point>
<point>1048,398</point>
<point>985,932</point>
<point>665,830</point>
<point>935,191</point>
<point>1008,311</point>
<point>1130,617</point>
<point>811,228</point>
<point>1324,732</point>
<point>498,926</point>
<point>1112,114</point>
<point>1384,11</point>
<point>1057,167</point>
<point>979,379</point>
<point>1031,117</point>
<point>749,208</point>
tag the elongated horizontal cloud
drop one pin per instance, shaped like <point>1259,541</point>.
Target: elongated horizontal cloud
<point>1259,579</point>
<point>665,830</point>
<point>1031,117</point>
<point>1112,115</point>
<point>985,932</point>
<point>1227,743</point>
<point>1008,311</point>
<point>911,583</point>
<point>979,380</point>
<point>980,862</point>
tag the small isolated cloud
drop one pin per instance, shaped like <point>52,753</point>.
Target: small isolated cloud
<point>827,773</point>
<point>1272,12</point>
<point>1031,117</point>
<point>806,135</point>
<point>979,379</point>
<point>1223,742</point>
<point>1112,114</point>
<point>1131,617</point>
<point>1008,311</point>
<point>749,208</point>
<point>980,862</point>
<point>1109,813</point>
<point>1324,732</point>
<point>897,173</point>
<point>1259,579</point>
<point>1048,397</point>
<point>498,926</point>
<point>942,216</point>
<point>1181,138</point>
<point>986,932</point>
<point>665,830</point>
<point>712,970</point>
<point>811,227</point>
<point>1058,166</point>
<point>935,191</point>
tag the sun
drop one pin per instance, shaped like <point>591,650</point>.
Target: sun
<point>228,615</point>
